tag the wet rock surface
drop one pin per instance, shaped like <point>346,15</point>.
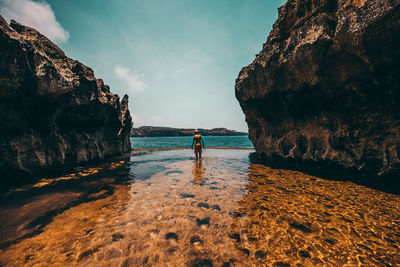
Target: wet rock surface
<point>54,113</point>
<point>325,89</point>
<point>27,209</point>
<point>298,219</point>
<point>293,219</point>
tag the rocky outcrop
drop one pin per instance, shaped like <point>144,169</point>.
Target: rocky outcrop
<point>156,131</point>
<point>53,112</point>
<point>325,89</point>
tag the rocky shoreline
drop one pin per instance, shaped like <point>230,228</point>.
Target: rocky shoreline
<point>54,113</point>
<point>324,92</point>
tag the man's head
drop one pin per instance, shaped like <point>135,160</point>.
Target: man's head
<point>196,131</point>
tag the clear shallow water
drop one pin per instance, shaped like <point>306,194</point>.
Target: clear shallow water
<point>163,208</point>
<point>186,141</point>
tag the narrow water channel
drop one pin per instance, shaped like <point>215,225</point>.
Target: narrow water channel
<point>163,208</point>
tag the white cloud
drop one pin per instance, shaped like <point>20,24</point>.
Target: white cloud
<point>134,81</point>
<point>37,15</point>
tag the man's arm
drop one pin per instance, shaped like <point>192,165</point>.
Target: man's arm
<point>193,142</point>
<point>202,141</point>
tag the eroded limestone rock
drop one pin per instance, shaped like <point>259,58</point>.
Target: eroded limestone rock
<point>325,89</point>
<point>54,113</point>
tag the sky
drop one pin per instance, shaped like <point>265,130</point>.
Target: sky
<point>176,59</point>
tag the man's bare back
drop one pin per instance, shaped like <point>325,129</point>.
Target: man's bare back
<point>197,140</point>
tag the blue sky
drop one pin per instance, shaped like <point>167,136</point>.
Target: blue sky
<point>177,60</point>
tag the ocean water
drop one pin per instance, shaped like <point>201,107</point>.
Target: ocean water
<point>186,142</point>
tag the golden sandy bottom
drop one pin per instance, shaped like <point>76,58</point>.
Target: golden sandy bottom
<point>219,211</point>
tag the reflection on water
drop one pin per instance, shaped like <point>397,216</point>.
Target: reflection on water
<point>198,172</point>
<point>152,212</point>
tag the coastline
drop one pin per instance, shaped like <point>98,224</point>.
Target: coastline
<point>177,148</point>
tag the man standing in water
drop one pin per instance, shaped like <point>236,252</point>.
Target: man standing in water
<point>197,140</point>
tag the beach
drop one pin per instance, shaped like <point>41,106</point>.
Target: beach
<point>199,133</point>
<point>164,208</point>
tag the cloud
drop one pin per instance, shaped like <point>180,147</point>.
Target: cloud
<point>134,81</point>
<point>37,15</point>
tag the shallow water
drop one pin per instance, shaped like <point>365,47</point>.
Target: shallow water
<point>163,208</point>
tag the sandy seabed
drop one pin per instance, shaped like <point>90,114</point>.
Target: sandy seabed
<point>163,208</point>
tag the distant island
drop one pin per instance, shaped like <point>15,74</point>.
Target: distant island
<point>155,131</point>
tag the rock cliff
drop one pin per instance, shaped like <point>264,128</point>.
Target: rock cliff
<point>325,89</point>
<point>54,113</point>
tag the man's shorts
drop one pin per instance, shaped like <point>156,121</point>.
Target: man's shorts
<point>197,148</point>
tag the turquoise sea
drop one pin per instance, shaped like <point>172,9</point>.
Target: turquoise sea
<point>186,142</point>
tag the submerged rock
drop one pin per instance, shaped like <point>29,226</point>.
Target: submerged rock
<point>54,113</point>
<point>325,89</point>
